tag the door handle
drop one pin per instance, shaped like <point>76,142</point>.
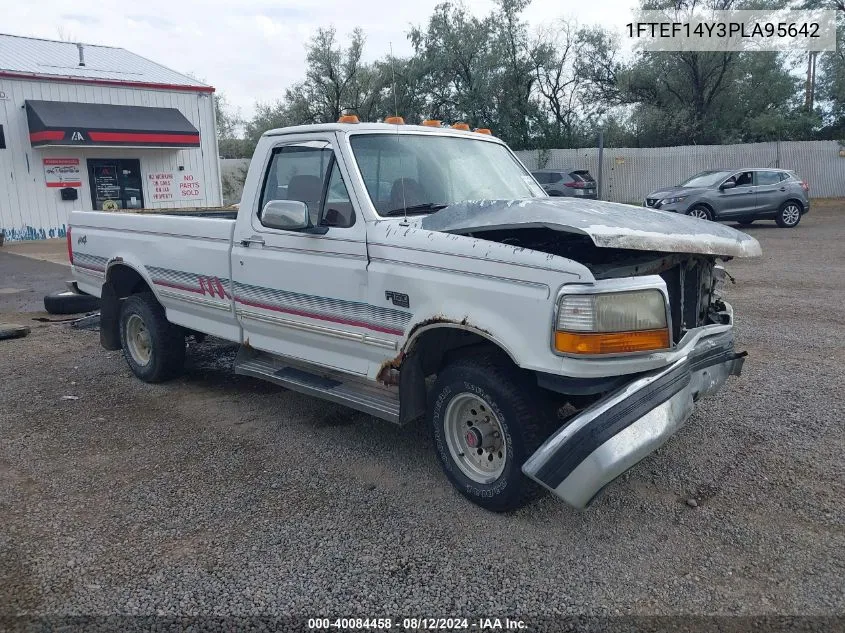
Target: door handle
<point>255,239</point>
<point>783,188</point>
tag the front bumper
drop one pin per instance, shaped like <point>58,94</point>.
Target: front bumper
<point>615,433</point>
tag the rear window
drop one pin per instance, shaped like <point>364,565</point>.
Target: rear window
<point>581,175</point>
<point>768,177</point>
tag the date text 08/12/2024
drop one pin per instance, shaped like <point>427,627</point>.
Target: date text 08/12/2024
<point>417,624</point>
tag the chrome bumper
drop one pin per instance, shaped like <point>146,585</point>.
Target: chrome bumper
<point>615,433</point>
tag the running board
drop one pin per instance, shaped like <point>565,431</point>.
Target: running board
<point>358,394</point>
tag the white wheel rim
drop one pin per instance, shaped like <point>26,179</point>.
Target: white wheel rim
<point>791,214</point>
<point>699,213</point>
<point>475,438</point>
<point>138,340</point>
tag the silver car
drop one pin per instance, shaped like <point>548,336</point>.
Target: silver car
<point>739,195</point>
<point>567,182</point>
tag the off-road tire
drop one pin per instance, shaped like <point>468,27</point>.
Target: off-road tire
<point>524,413</point>
<point>167,341</point>
<point>69,302</point>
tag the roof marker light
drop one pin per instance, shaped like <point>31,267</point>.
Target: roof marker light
<point>395,120</point>
<point>348,118</point>
<point>432,122</point>
<point>460,125</point>
<point>483,130</point>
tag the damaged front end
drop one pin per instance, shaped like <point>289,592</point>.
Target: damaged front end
<point>626,425</point>
<point>640,381</point>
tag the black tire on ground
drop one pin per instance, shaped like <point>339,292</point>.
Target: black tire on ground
<point>706,213</point>
<point>12,330</point>
<point>69,302</point>
<point>524,414</point>
<point>166,342</point>
<point>789,215</point>
<point>745,222</point>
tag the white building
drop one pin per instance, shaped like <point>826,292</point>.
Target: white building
<point>94,127</point>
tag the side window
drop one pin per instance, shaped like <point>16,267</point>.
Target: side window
<point>784,175</point>
<point>768,177</point>
<point>297,172</point>
<point>745,179</point>
<point>540,177</point>
<point>338,208</point>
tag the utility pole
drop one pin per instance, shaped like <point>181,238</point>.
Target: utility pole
<point>810,87</point>
<point>601,162</point>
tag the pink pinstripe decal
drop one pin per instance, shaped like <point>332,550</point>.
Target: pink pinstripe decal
<point>320,317</point>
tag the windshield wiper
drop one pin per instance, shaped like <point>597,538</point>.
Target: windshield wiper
<point>417,208</point>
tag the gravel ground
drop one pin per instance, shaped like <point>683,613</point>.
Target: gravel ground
<point>222,495</point>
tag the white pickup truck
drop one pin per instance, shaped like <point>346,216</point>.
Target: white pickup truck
<point>410,271</point>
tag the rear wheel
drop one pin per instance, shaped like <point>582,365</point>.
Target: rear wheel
<point>486,419</point>
<point>701,212</point>
<point>154,348</point>
<point>789,215</point>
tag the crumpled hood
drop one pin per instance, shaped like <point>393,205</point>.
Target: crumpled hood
<point>608,225</point>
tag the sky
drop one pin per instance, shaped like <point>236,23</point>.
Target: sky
<point>251,50</point>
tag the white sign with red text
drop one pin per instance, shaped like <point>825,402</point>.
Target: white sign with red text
<point>173,186</point>
<point>62,172</point>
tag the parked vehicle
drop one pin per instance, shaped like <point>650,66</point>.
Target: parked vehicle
<point>740,195</point>
<point>578,183</point>
<point>462,293</point>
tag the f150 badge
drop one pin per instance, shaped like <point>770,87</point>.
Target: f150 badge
<point>398,298</point>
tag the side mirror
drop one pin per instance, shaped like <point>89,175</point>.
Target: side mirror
<point>730,184</point>
<point>288,215</point>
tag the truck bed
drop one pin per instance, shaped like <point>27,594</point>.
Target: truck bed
<point>228,213</point>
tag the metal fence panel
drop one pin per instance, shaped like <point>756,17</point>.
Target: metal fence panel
<point>631,173</point>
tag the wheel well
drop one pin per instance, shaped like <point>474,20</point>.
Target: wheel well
<point>705,205</point>
<point>427,352</point>
<point>436,346</point>
<point>126,281</point>
<point>795,200</point>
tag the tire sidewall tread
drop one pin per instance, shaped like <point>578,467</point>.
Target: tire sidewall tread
<point>167,340</point>
<point>513,399</point>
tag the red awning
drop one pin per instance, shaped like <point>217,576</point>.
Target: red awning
<point>99,124</point>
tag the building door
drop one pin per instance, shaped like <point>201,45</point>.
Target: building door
<point>115,183</point>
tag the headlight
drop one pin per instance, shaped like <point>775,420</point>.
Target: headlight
<point>612,322</point>
<point>674,200</point>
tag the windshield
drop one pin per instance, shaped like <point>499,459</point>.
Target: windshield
<point>424,173</point>
<point>706,179</point>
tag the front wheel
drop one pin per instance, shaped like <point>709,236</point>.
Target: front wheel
<point>701,212</point>
<point>789,215</point>
<point>486,419</point>
<point>154,348</point>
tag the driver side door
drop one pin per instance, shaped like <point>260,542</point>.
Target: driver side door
<point>301,293</point>
<point>739,200</point>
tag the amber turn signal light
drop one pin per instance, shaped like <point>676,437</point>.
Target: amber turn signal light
<point>611,342</point>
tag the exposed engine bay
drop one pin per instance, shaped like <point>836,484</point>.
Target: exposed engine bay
<point>692,280</point>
